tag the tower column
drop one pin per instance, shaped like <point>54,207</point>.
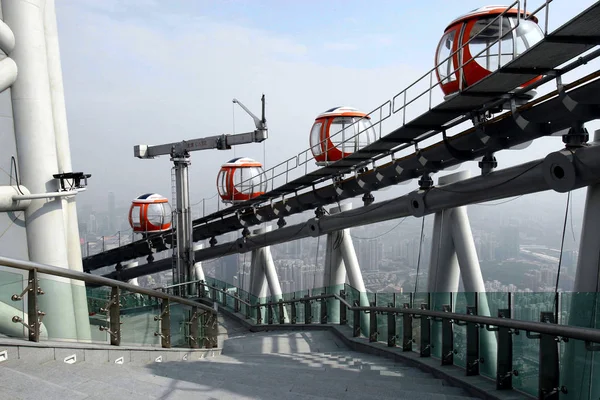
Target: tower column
<point>63,153</point>
<point>462,237</point>
<point>334,274</point>
<point>36,149</point>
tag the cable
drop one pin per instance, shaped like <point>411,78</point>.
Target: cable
<point>17,180</point>
<point>419,256</point>
<point>13,220</point>
<point>378,236</point>
<point>497,204</point>
<point>562,243</point>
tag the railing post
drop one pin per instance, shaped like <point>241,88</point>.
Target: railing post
<point>307,310</point>
<point>356,326</point>
<point>391,323</point>
<point>193,324</point>
<point>115,317</point>
<point>425,333</point>
<point>323,309</point>
<point>372,324</point>
<point>236,302</point>
<point>248,308</point>
<point>270,313</point>
<point>202,293</point>
<point>473,359</point>
<point>447,338</point>
<point>407,335</point>
<point>213,294</point>
<point>294,311</point>
<point>343,319</point>
<point>281,312</point>
<point>549,378</point>
<point>505,354</point>
<point>224,294</point>
<point>165,324</point>
<point>258,313</point>
<point>32,307</point>
<point>210,326</point>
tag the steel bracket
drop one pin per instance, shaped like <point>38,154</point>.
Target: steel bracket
<point>461,155</point>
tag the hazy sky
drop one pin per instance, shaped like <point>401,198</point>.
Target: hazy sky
<point>152,72</point>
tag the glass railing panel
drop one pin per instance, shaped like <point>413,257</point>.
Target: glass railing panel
<point>333,304</point>
<point>488,304</point>
<point>97,299</point>
<point>401,299</point>
<point>300,305</point>
<point>352,295</point>
<point>438,300</point>
<point>138,325</point>
<point>528,307</point>
<point>316,304</point>
<point>58,304</point>
<point>12,283</point>
<point>583,382</point>
<point>419,299</point>
<point>180,330</point>
<point>461,300</point>
<point>383,300</point>
<point>579,370</point>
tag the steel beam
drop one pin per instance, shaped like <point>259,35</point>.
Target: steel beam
<point>578,168</point>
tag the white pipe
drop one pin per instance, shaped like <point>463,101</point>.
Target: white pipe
<point>8,68</point>
<point>14,329</point>
<point>198,271</point>
<point>334,274</point>
<point>36,149</point>
<point>355,276</point>
<point>133,264</point>
<point>63,154</point>
<point>472,277</point>
<point>37,196</point>
<point>9,203</point>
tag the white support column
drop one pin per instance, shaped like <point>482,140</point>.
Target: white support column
<point>334,274</point>
<point>133,264</point>
<point>63,153</point>
<point>472,278</point>
<point>198,271</point>
<point>258,279</point>
<point>36,148</point>
<point>272,278</point>
<point>444,272</point>
<point>14,330</point>
<point>584,301</point>
<point>355,276</point>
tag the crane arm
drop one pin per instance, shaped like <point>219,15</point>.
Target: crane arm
<point>219,142</point>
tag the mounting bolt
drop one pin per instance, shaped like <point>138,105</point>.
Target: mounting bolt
<point>281,222</point>
<point>425,182</point>
<point>368,199</point>
<point>488,163</point>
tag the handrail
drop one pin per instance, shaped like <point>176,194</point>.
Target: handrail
<point>572,332</point>
<point>96,279</point>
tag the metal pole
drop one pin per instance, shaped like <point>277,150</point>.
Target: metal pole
<point>185,255</point>
<point>63,154</point>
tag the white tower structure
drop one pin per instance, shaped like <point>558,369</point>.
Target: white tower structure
<point>28,34</point>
